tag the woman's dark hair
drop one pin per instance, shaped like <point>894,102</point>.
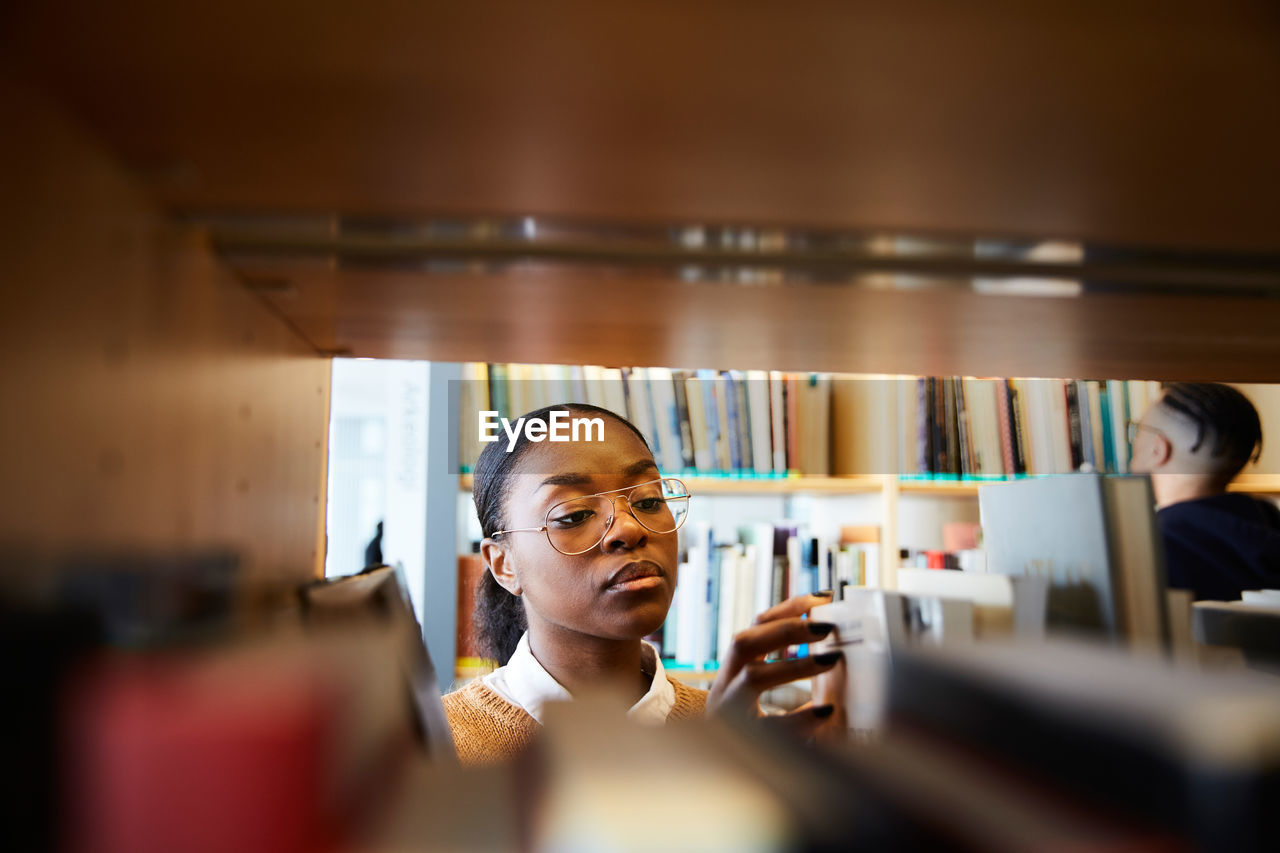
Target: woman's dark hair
<point>1221,414</point>
<point>499,615</point>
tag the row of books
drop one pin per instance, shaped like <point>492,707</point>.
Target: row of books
<point>757,423</point>
<point>706,422</point>
<point>725,585</point>
<point>996,428</point>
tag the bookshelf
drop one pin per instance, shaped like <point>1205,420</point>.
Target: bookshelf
<point>170,332</point>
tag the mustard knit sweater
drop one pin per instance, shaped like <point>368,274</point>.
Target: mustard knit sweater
<point>487,728</point>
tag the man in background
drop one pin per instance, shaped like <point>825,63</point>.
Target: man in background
<point>1193,442</point>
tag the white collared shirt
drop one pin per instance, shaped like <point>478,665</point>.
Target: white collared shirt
<point>525,683</point>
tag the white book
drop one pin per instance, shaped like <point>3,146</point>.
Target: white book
<point>536,393</point>
<point>593,375</point>
<point>761,421</point>
<point>1261,597</point>
<point>1002,604</point>
<point>778,415</point>
<point>870,564</point>
<point>761,545</point>
<point>692,629</point>
<point>728,596</point>
<point>980,403</point>
<point>1059,425</point>
<point>737,596</point>
<point>578,384</point>
<point>907,411</point>
<point>795,568</point>
<point>615,396</point>
<point>556,379</point>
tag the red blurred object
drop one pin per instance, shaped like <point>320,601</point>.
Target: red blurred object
<point>936,559</point>
<point>169,756</point>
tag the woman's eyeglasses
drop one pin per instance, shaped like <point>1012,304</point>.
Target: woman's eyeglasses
<point>577,525</point>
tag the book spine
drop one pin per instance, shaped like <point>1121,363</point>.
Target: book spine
<point>726,623</point>
<point>791,398</point>
<point>951,427</point>
<point>1075,434</point>
<point>778,419</point>
<point>711,603</point>
<point>924,442</point>
<point>577,384</point>
<point>746,451</point>
<point>1095,424</point>
<point>1085,405</point>
<point>716,415</point>
<point>614,394</point>
<point>1021,435</point>
<point>1108,440</point>
<point>684,423</point>
<point>1118,396</point>
<point>938,427</point>
<point>761,439</point>
<point>964,430</point>
<point>698,425</point>
<point>640,406</point>
<point>498,390</point>
<point>732,420</point>
<point>1004,418</point>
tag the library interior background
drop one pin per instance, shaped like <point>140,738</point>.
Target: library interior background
<point>893,295</point>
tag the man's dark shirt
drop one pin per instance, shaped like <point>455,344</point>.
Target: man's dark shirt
<point>1221,545</point>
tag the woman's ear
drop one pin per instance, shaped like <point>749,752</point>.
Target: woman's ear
<point>500,564</point>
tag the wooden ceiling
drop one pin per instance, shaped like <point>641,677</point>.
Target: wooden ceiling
<point>1137,123</point>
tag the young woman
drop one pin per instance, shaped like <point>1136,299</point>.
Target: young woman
<point>580,543</point>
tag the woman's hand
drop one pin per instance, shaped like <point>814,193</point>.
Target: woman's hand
<point>746,674</point>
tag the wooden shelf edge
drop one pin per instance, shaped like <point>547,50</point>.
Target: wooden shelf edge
<point>763,486</point>
<point>1268,484</point>
<point>1263,484</point>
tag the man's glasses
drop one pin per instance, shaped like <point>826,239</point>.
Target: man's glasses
<point>577,525</point>
<point>1135,426</point>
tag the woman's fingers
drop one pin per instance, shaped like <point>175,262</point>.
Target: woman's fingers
<point>754,643</point>
<point>759,676</point>
<point>797,606</point>
<point>804,722</point>
<point>745,673</point>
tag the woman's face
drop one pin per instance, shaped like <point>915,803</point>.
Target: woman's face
<point>622,588</point>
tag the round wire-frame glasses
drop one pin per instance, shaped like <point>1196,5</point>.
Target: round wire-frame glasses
<point>577,525</point>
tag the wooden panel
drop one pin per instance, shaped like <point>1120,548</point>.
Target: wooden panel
<point>151,401</point>
<point>613,318</point>
<point>1106,120</point>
